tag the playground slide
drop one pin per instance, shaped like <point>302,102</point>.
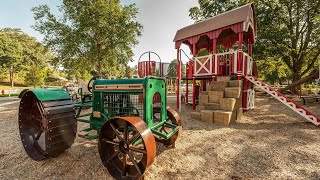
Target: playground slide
<point>313,75</point>
<point>286,101</point>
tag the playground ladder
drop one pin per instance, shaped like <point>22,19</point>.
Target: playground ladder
<point>286,101</point>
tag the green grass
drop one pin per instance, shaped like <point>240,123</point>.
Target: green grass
<point>7,95</point>
<point>19,86</point>
<point>15,87</point>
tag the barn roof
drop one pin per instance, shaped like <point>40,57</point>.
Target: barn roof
<point>240,14</point>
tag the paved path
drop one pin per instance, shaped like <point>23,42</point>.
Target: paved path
<point>9,103</point>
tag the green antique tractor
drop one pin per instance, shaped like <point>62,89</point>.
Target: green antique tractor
<point>128,116</point>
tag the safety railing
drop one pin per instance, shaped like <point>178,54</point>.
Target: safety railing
<point>203,65</point>
<point>226,63</point>
<point>222,64</point>
<point>247,64</point>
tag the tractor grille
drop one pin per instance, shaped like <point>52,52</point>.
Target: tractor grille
<point>123,104</point>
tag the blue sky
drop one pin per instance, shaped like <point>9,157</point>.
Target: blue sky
<point>160,19</point>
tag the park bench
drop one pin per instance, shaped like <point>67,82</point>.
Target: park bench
<point>315,97</point>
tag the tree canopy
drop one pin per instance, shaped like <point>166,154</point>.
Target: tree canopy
<point>172,69</point>
<point>288,31</point>
<point>18,51</point>
<point>90,35</point>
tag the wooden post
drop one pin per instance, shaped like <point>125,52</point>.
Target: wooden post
<point>214,51</point>
<point>249,48</point>
<point>177,80</point>
<point>194,80</point>
<point>194,93</point>
<point>187,92</point>
<point>240,55</point>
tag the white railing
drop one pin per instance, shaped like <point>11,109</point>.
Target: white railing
<point>247,64</point>
<point>229,59</point>
<point>203,65</point>
<point>222,64</point>
<point>250,99</point>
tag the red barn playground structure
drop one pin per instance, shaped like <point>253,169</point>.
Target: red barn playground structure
<point>228,37</point>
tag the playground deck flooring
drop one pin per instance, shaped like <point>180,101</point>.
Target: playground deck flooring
<point>270,142</point>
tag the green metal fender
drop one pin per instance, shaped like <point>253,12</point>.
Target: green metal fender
<point>49,94</point>
<point>47,122</point>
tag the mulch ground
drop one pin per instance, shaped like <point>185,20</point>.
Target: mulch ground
<point>269,142</point>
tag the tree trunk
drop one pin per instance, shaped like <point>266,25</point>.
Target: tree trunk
<point>99,60</point>
<point>296,76</point>
<point>11,77</point>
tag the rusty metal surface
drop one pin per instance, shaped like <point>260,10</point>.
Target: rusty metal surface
<point>46,134</point>
<point>174,118</point>
<point>118,151</point>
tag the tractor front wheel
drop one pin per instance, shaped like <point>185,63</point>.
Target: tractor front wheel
<point>174,118</point>
<point>127,147</point>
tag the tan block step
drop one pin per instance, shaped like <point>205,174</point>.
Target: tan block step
<point>228,104</point>
<point>207,116</point>
<point>239,114</point>
<point>203,99</point>
<point>224,117</point>
<point>215,96</point>
<point>238,103</point>
<point>223,78</point>
<point>203,92</point>
<point>218,85</point>
<point>235,83</point>
<point>200,107</point>
<point>212,106</point>
<point>196,115</point>
<point>232,92</point>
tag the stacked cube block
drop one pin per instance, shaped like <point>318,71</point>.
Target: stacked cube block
<point>221,103</point>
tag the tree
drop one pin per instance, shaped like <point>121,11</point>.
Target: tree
<point>135,70</point>
<point>18,51</point>
<point>202,52</point>
<point>10,54</point>
<point>128,72</point>
<point>172,69</point>
<point>273,70</point>
<point>92,35</point>
<point>35,76</point>
<point>288,30</point>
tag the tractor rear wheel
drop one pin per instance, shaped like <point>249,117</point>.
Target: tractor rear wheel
<point>127,147</point>
<point>174,118</point>
<point>46,128</point>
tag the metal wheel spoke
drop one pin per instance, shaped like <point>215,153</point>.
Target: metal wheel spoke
<point>135,163</point>
<point>118,134</point>
<point>133,138</point>
<point>38,135</point>
<point>143,151</point>
<point>124,167</point>
<point>163,129</point>
<point>110,142</point>
<point>114,155</point>
<point>125,133</point>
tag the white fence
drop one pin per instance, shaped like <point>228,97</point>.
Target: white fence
<point>222,64</point>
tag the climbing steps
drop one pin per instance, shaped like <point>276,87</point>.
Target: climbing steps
<point>221,103</point>
<point>286,101</point>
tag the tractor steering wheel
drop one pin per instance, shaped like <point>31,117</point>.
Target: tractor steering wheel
<point>90,83</point>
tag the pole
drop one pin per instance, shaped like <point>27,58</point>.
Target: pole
<point>180,76</point>
<point>177,81</point>
<point>194,81</point>
<point>214,51</point>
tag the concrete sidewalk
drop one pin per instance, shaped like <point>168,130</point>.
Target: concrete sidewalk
<point>9,103</point>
